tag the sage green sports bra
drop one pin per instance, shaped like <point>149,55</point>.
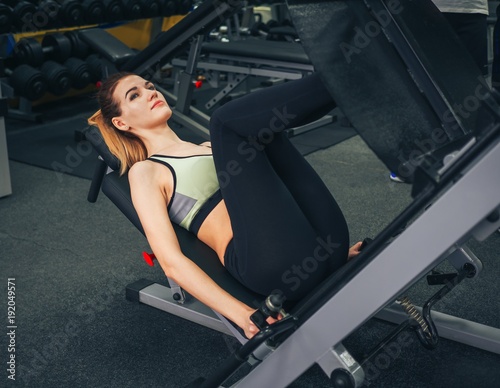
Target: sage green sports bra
<point>196,188</point>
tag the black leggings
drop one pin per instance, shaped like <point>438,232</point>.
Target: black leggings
<point>289,232</point>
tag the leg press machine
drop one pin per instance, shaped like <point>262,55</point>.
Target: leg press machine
<point>402,78</point>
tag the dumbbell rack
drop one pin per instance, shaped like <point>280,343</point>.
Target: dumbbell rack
<point>50,45</point>
<point>38,18</point>
<point>36,67</point>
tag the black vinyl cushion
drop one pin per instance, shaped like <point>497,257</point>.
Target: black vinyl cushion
<point>93,135</point>
<point>113,49</point>
<point>284,31</point>
<point>258,48</point>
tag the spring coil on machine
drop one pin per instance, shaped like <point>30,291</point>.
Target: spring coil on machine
<point>413,313</point>
<point>426,329</point>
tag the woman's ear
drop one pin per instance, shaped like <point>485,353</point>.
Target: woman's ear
<point>118,123</point>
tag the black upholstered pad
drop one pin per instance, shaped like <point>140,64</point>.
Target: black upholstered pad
<point>401,95</point>
<point>117,190</point>
<point>113,49</point>
<point>93,135</point>
<point>284,31</point>
<point>258,48</point>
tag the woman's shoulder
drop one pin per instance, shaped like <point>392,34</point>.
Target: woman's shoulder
<point>148,171</point>
<point>141,168</point>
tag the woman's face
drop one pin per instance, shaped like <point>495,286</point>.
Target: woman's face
<point>141,104</point>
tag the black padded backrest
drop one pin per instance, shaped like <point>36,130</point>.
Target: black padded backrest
<point>256,48</point>
<point>117,189</point>
<point>111,48</point>
<point>93,135</point>
<point>397,71</point>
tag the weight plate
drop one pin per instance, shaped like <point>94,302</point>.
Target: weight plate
<point>28,82</point>
<point>29,51</point>
<point>59,46</point>
<point>5,19</point>
<point>58,77</point>
<point>71,13</point>
<point>114,10</point>
<point>23,15</point>
<point>79,48</point>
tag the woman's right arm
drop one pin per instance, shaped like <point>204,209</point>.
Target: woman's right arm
<point>150,188</point>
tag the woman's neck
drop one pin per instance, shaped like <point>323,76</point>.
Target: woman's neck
<point>159,139</point>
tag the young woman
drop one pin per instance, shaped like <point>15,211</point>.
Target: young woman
<point>248,194</point>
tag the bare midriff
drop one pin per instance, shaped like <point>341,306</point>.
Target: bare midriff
<point>216,230</point>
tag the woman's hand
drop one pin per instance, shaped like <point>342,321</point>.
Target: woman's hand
<point>354,250</point>
<point>250,328</point>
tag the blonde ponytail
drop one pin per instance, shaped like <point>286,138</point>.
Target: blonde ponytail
<point>127,148</point>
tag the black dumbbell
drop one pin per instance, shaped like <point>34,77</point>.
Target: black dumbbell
<point>113,10</point>
<point>28,82</point>
<point>93,11</point>
<point>71,13</point>
<point>79,72</point>
<point>5,18</point>
<point>184,6</point>
<point>132,9</point>
<point>150,8</point>
<point>95,67</point>
<point>45,15</point>
<point>58,77</point>
<point>54,46</point>
<point>22,13</point>
<point>79,48</point>
<point>168,7</point>
<point>48,10</point>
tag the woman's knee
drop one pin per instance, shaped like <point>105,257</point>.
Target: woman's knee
<point>219,119</point>
<point>215,123</point>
